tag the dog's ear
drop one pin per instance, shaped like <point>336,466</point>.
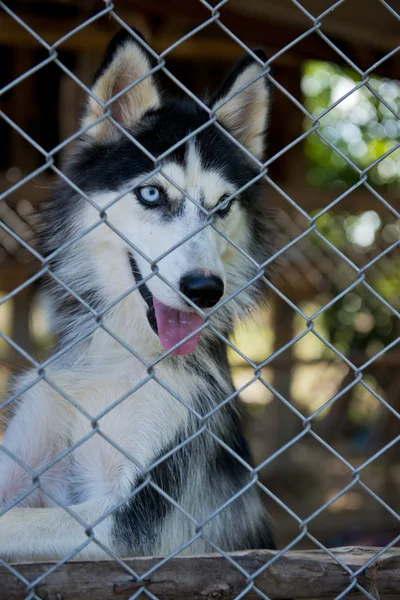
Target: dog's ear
<point>242,103</point>
<point>125,61</point>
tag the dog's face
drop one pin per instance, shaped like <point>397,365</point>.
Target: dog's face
<point>187,215</point>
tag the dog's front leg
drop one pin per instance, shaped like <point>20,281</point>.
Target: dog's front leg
<point>31,534</point>
<point>36,435</point>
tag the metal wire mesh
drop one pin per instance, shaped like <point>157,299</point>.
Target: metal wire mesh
<point>316,25</point>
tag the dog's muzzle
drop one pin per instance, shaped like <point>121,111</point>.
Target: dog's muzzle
<point>180,330</point>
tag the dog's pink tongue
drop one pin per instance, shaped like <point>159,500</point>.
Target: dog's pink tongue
<point>174,325</point>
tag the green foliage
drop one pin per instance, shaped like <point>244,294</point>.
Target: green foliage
<point>360,321</point>
<point>360,126</point>
<point>363,129</point>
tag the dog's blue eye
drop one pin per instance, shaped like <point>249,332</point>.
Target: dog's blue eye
<point>149,194</point>
<point>222,212</point>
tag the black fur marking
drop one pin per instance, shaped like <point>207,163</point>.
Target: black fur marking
<point>111,166</point>
<point>225,469</point>
<point>264,538</point>
<point>144,292</point>
<point>229,469</point>
<point>137,522</point>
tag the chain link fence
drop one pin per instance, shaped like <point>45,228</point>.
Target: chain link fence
<point>42,369</point>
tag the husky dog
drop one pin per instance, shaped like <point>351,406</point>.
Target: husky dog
<point>128,441</point>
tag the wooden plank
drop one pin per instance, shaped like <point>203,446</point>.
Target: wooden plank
<point>279,23</point>
<point>211,49</point>
<point>23,112</point>
<point>13,274</point>
<point>375,26</point>
<point>391,359</point>
<point>253,30</point>
<point>349,22</point>
<point>285,422</point>
<point>296,575</point>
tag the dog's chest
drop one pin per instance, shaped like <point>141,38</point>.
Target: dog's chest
<point>131,422</point>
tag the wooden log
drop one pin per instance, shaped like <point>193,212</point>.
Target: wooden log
<point>296,575</point>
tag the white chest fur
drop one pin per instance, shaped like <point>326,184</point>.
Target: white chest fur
<point>126,432</point>
<point>115,422</point>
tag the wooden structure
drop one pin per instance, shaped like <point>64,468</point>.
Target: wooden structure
<point>296,575</point>
<point>46,105</point>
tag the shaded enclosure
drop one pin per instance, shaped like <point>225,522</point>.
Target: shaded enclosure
<point>318,370</point>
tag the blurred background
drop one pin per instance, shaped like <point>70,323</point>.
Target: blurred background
<point>305,179</point>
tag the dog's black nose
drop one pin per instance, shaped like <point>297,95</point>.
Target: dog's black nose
<point>204,290</point>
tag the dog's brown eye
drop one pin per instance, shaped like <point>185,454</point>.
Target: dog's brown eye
<point>224,210</point>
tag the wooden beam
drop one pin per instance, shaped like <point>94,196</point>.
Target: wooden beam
<point>390,359</point>
<point>14,274</point>
<point>367,27</point>
<point>23,112</point>
<point>296,575</point>
<point>253,30</point>
<point>95,38</point>
<point>272,27</point>
<point>285,422</point>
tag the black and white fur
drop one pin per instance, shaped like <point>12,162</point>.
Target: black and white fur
<point>94,370</point>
